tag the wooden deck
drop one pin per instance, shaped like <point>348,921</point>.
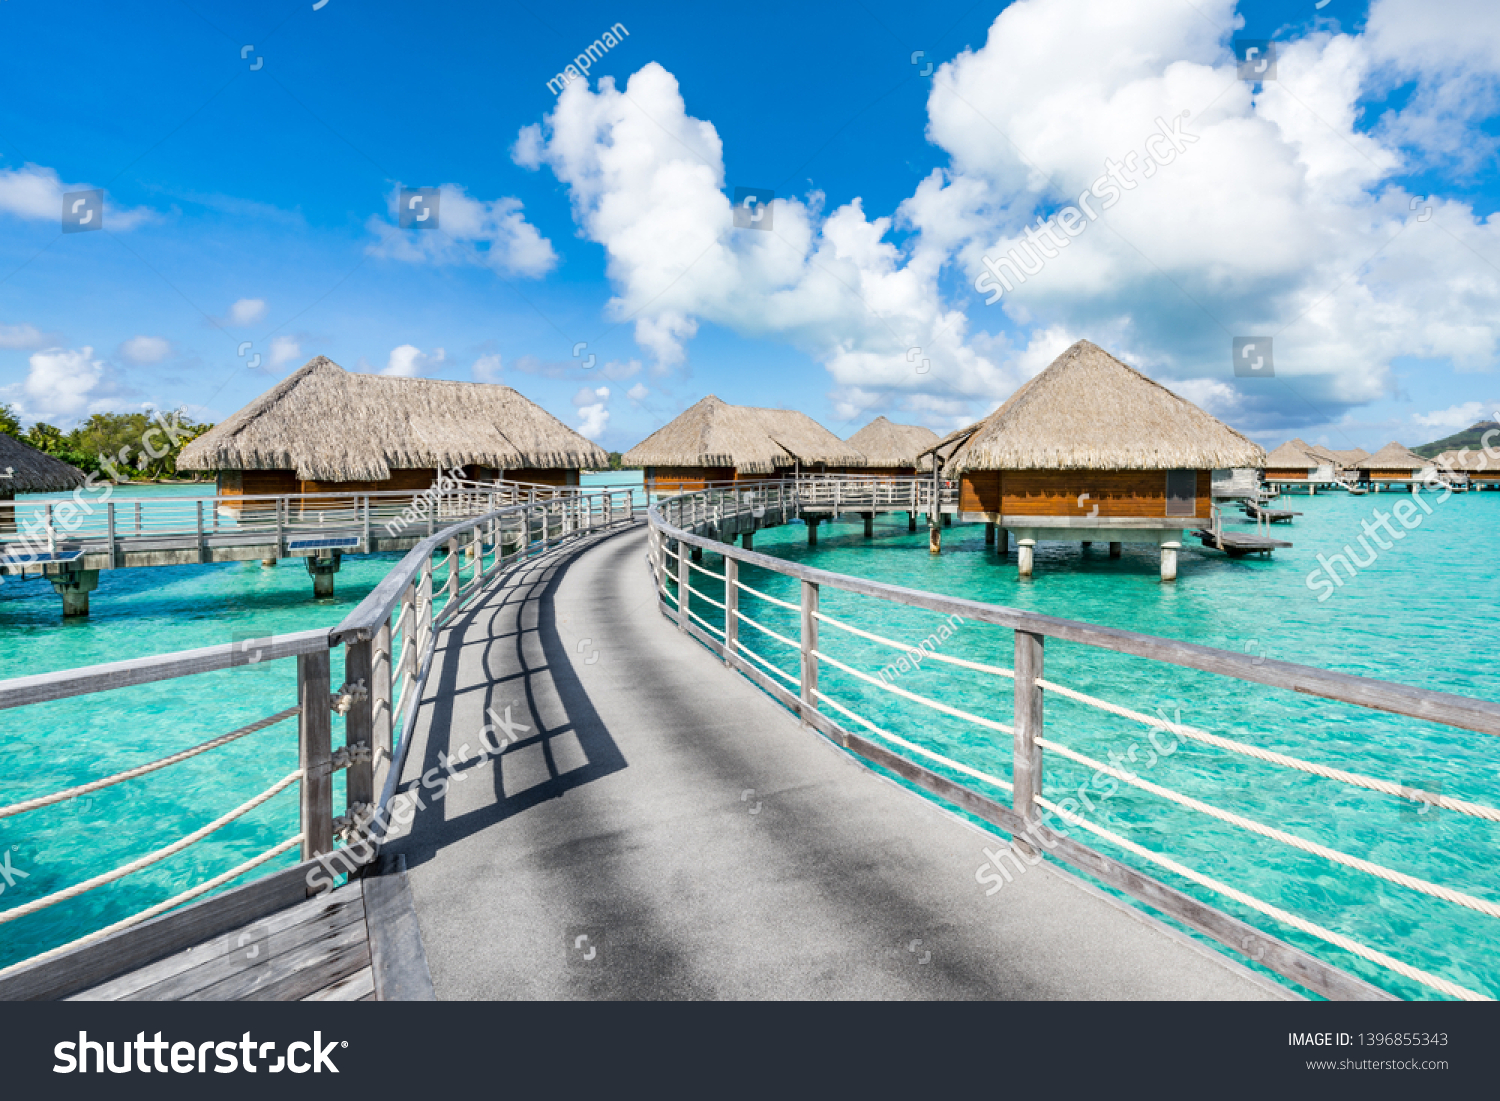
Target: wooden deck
<point>1235,544</point>
<point>318,950</point>
<point>265,941</point>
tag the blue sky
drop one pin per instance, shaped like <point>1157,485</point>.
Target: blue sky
<point>256,204</point>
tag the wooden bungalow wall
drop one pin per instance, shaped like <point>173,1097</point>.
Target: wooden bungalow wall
<point>1123,493</point>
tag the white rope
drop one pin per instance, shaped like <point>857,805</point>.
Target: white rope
<point>1192,733</point>
<point>161,907</point>
<point>927,654</point>
<point>782,638</point>
<point>1338,939</point>
<point>767,596</point>
<point>131,774</point>
<point>743,649</point>
<point>704,596</point>
<point>943,707</point>
<point>705,623</point>
<point>710,573</point>
<point>1458,898</point>
<point>913,747</point>
<point>151,858</point>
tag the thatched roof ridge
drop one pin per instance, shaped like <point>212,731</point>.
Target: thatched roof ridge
<point>33,471</point>
<point>329,424</point>
<point>1351,456</point>
<point>1393,456</point>
<point>1317,451</point>
<point>1089,411</point>
<point>885,444</point>
<point>752,440</point>
<point>1289,456</point>
<point>1473,460</point>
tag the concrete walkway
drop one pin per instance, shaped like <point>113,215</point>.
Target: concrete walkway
<point>664,830</point>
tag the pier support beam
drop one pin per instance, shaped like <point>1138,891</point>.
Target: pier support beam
<point>934,535</point>
<point>322,570</point>
<point>947,519</point>
<point>1114,550</point>
<point>911,521</point>
<point>1024,555</point>
<point>812,531</point>
<point>869,518</point>
<point>1002,541</point>
<point>989,534</point>
<point>747,540</point>
<point>74,588</point>
<point>1169,561</point>
<point>268,563</point>
<point>697,554</point>
<point>1087,543</point>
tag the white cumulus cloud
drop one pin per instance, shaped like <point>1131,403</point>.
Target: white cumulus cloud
<point>246,311</point>
<point>593,407</point>
<point>34,191</point>
<point>409,361</point>
<point>469,231</point>
<point>144,350</point>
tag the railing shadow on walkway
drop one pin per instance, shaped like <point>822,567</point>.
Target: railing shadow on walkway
<point>507,665</point>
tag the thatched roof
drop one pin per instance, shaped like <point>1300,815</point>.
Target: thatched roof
<point>1089,411</point>
<point>1352,456</point>
<point>33,471</point>
<point>753,441</point>
<point>1474,461</point>
<point>329,424</point>
<point>1290,456</point>
<point>884,444</point>
<point>1394,457</point>
<point>1318,452</point>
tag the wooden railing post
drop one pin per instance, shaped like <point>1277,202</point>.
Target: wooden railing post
<point>315,736</point>
<point>200,529</point>
<point>1026,769</point>
<point>359,668</point>
<point>382,707</point>
<point>731,608</point>
<point>424,614</point>
<point>109,508</point>
<point>281,503</point>
<point>366,543</point>
<point>682,585</point>
<point>454,563</point>
<point>809,641</point>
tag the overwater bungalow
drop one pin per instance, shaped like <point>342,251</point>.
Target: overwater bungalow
<point>1475,468</point>
<point>1347,461</point>
<point>890,450</point>
<point>1093,450</point>
<point>328,430</point>
<point>717,442</point>
<point>24,469</point>
<point>1290,462</point>
<point>1393,465</point>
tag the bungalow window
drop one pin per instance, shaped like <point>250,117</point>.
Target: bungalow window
<point>1182,492</point>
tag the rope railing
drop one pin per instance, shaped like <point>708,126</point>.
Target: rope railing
<point>1354,779</point>
<point>957,713</point>
<point>1459,898</point>
<point>1434,982</point>
<point>142,770</point>
<point>162,907</point>
<point>154,857</point>
<point>700,518</point>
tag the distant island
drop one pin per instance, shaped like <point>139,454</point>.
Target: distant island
<point>1470,437</point>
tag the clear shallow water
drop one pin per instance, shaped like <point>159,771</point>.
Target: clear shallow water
<point>1420,614</point>
<point>49,747</point>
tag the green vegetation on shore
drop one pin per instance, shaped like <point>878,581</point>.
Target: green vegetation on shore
<point>110,443</point>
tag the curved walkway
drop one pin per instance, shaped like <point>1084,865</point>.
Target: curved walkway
<point>664,830</point>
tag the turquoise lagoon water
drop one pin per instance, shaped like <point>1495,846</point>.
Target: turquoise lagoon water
<point>49,747</point>
<point>1419,614</point>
